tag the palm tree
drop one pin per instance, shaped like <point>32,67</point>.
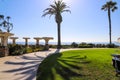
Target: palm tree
<point>109,6</point>
<point>56,9</point>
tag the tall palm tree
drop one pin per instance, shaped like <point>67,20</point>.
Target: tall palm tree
<point>109,6</point>
<point>56,9</point>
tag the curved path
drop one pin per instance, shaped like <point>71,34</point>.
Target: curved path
<point>23,67</point>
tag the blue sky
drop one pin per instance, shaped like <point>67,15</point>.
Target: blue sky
<point>86,22</point>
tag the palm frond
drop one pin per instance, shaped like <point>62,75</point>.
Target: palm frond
<point>1,24</point>
<point>104,7</point>
<point>56,9</point>
<point>11,26</point>
<point>47,9</point>
<point>8,17</point>
<point>1,16</point>
<point>53,7</point>
<point>48,13</point>
<point>63,6</point>
<point>114,8</point>
<point>66,11</point>
<point>4,23</point>
<point>109,5</point>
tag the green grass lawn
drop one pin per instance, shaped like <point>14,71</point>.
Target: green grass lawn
<point>89,64</point>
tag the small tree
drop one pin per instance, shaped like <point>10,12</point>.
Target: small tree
<point>74,45</point>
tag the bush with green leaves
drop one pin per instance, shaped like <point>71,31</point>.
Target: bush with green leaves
<point>16,49</point>
<point>74,45</point>
<point>111,45</point>
<point>85,45</point>
<point>28,50</point>
<point>36,48</point>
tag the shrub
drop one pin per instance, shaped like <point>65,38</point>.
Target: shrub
<point>16,49</point>
<point>111,45</point>
<point>28,50</point>
<point>52,46</point>
<point>74,45</point>
<point>85,45</point>
<point>66,46</point>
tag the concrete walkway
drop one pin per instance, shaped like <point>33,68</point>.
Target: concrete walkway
<point>23,67</point>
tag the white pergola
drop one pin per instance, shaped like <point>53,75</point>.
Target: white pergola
<point>46,42</point>
<point>4,51</point>
<point>14,40</point>
<point>47,39</point>
<point>26,40</point>
<point>4,38</point>
<point>37,40</point>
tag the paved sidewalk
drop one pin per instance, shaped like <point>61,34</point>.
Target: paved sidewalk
<point>23,67</point>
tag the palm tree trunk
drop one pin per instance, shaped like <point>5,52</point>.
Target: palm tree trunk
<point>109,18</point>
<point>59,36</point>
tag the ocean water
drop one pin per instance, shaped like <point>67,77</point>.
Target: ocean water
<point>65,43</point>
<point>33,43</point>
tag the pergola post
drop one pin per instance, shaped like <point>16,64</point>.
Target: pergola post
<point>46,42</point>
<point>4,51</point>
<point>26,41</point>
<point>37,40</point>
<point>13,40</point>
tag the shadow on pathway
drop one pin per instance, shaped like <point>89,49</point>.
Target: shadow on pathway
<point>28,68</point>
<point>57,51</point>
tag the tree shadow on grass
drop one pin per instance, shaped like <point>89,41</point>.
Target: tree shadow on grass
<point>27,68</point>
<point>64,67</point>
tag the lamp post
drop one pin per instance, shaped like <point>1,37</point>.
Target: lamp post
<point>5,23</point>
